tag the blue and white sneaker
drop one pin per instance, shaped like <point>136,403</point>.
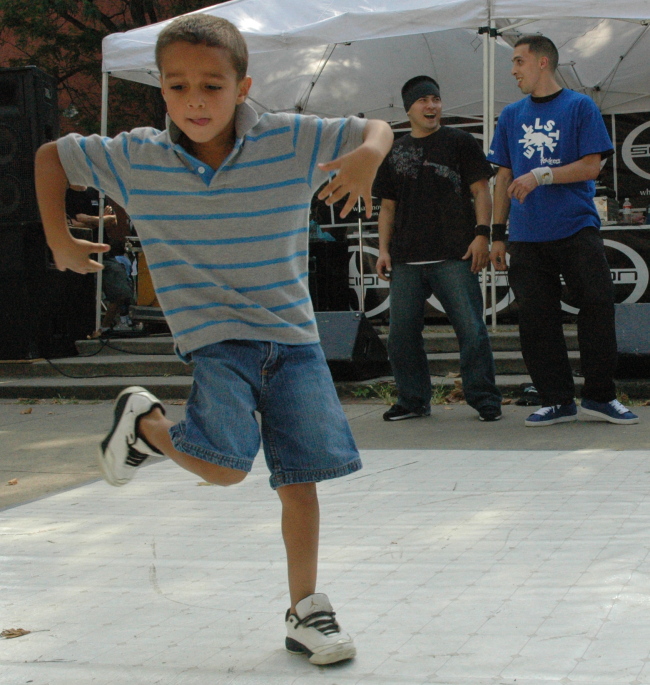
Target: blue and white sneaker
<point>613,411</point>
<point>556,413</point>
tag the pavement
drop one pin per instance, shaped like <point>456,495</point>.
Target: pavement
<point>463,553</point>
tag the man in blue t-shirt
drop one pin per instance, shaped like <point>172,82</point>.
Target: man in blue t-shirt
<point>549,148</point>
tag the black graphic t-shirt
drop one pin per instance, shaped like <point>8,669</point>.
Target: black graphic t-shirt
<point>429,179</point>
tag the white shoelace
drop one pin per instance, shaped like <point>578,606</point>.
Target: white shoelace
<point>620,408</point>
<point>545,410</point>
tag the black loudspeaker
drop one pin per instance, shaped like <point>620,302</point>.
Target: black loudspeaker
<point>43,311</point>
<point>29,117</point>
<point>633,340</point>
<point>329,275</point>
<point>22,283</point>
<point>67,313</point>
<point>352,347</point>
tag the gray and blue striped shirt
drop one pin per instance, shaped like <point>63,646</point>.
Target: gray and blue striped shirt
<point>227,249</point>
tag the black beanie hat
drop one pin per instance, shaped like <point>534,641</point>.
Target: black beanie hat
<point>418,87</point>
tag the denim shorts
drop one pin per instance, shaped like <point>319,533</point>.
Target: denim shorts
<point>304,431</point>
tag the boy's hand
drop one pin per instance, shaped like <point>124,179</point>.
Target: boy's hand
<point>356,172</point>
<point>75,255</point>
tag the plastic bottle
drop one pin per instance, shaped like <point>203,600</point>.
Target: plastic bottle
<point>627,211</point>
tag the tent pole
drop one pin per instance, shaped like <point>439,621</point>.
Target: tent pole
<point>486,76</point>
<point>362,290</point>
<point>490,132</point>
<point>486,139</point>
<point>103,127</point>
<point>615,157</point>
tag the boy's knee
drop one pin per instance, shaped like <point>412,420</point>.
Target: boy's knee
<point>221,475</point>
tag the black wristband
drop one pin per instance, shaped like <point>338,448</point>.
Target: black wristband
<point>482,229</point>
<point>498,232</point>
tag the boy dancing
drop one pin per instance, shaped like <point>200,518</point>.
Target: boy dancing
<point>221,201</point>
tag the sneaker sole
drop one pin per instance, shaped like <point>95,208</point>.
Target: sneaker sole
<point>592,415</point>
<point>121,400</point>
<point>550,422</point>
<point>334,654</point>
<point>491,418</point>
<point>406,416</point>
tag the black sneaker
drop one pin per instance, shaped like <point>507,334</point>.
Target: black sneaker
<point>490,414</point>
<point>397,412</point>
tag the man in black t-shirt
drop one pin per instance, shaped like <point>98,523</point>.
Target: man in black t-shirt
<point>433,239</point>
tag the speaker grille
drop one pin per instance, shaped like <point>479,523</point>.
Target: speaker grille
<point>28,118</point>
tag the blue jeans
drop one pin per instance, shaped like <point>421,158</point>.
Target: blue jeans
<point>458,290</point>
<point>304,431</point>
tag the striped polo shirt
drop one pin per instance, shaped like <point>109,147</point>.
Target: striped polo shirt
<point>228,248</point>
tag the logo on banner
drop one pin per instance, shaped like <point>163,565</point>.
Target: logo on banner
<point>636,151</point>
<point>633,278</point>
<point>539,137</point>
<point>630,277</point>
<point>376,291</point>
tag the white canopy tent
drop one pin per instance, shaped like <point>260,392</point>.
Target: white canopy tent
<point>604,44</point>
<point>341,57</point>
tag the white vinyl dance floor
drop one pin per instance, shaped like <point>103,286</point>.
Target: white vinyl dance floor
<point>447,567</point>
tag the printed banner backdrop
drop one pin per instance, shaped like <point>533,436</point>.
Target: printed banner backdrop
<point>627,247</point>
<point>632,134</point>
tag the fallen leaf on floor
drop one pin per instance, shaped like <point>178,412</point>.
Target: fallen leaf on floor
<point>453,374</point>
<point>13,481</point>
<point>26,411</point>
<point>508,400</point>
<point>646,403</point>
<point>14,632</point>
<point>203,482</point>
<point>455,396</point>
<point>181,402</point>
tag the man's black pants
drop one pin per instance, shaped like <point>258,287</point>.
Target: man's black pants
<point>535,273</point>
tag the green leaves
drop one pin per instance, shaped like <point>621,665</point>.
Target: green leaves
<point>64,39</point>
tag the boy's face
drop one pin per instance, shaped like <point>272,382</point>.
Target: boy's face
<point>200,86</point>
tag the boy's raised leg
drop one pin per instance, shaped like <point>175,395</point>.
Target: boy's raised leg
<point>155,428</point>
<point>311,625</point>
<point>141,430</point>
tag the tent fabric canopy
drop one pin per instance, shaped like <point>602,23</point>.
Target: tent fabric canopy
<point>603,50</point>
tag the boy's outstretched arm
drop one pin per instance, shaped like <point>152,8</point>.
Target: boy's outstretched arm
<point>51,185</point>
<point>357,169</point>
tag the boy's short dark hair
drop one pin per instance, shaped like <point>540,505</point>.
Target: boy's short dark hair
<point>542,47</point>
<point>204,29</point>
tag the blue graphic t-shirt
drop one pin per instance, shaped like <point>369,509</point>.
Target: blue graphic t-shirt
<point>552,132</point>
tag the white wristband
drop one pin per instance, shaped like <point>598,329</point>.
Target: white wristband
<point>543,175</point>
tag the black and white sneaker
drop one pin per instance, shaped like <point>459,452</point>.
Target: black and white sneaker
<point>314,631</point>
<point>122,451</point>
<point>490,414</point>
<point>397,413</point>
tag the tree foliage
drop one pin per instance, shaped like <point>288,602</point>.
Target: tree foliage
<point>63,38</point>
